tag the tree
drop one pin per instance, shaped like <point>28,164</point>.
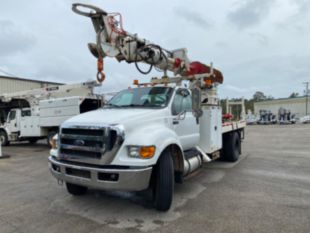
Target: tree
<point>294,95</point>
<point>259,96</point>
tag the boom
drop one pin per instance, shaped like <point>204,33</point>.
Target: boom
<point>113,41</point>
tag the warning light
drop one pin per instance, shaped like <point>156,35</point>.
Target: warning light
<point>208,82</point>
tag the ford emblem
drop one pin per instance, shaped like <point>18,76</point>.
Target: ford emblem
<point>79,142</point>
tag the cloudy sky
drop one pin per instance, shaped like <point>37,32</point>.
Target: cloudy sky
<point>258,44</point>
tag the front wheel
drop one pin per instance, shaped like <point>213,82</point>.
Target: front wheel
<point>4,141</point>
<point>76,190</point>
<point>164,182</point>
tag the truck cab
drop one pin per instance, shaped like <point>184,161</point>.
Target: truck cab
<point>20,125</point>
<point>11,126</point>
<point>145,137</point>
<point>13,120</point>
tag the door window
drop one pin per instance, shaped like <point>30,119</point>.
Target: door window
<point>182,102</point>
<point>12,115</point>
<point>26,113</point>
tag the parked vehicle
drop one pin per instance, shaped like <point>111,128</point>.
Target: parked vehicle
<point>144,137</point>
<point>44,110</point>
<point>150,136</point>
<point>286,117</point>
<point>266,117</point>
<point>305,119</point>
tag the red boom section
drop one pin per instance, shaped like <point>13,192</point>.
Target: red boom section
<point>199,68</point>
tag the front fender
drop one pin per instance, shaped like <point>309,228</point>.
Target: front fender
<point>157,135</point>
<point>5,129</point>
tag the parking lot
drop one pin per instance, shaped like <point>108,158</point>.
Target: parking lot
<point>268,190</point>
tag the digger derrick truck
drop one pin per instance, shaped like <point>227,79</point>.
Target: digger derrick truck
<point>150,136</point>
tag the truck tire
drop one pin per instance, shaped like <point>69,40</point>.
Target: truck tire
<point>49,137</point>
<point>4,138</point>
<point>76,190</point>
<point>231,147</point>
<point>164,182</point>
<point>33,141</point>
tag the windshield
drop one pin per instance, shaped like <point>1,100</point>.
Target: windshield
<point>144,97</point>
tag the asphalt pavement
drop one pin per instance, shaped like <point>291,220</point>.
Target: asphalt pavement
<point>267,190</point>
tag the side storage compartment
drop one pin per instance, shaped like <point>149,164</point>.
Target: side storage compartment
<point>211,129</point>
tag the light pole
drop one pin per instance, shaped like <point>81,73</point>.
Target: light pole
<point>307,92</point>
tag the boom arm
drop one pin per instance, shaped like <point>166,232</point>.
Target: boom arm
<point>113,41</point>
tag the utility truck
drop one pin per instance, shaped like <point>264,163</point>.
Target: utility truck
<point>149,136</point>
<point>36,114</point>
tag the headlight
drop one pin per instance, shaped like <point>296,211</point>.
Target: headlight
<point>143,152</point>
<point>54,142</point>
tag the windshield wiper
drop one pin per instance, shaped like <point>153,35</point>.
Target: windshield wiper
<point>133,105</point>
<point>113,105</point>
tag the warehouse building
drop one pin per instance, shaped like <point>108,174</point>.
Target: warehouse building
<point>295,105</point>
<point>13,84</point>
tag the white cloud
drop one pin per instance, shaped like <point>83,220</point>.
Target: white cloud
<point>194,17</point>
<point>250,12</point>
<point>14,39</point>
<point>46,40</point>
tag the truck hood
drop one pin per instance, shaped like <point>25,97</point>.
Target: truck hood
<point>124,116</point>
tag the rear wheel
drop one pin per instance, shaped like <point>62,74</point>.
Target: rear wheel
<point>164,182</point>
<point>76,190</point>
<point>33,140</point>
<point>231,147</point>
<point>4,138</point>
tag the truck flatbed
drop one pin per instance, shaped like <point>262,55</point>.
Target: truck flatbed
<point>233,125</point>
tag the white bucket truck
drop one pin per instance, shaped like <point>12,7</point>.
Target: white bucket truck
<point>37,114</point>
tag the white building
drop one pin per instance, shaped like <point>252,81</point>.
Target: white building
<point>13,84</point>
<point>295,105</point>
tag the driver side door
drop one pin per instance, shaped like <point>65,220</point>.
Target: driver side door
<point>185,127</point>
<point>12,122</point>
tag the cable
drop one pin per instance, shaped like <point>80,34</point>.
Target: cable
<point>137,66</point>
<point>152,63</point>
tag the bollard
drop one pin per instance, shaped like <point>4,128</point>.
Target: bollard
<point>2,156</point>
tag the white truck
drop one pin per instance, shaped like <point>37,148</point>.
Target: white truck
<point>150,136</point>
<point>37,114</point>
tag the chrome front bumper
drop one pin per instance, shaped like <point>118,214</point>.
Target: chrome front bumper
<point>136,179</point>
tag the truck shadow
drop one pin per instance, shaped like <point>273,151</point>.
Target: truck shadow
<point>38,147</point>
<point>141,198</point>
<point>123,210</point>
<point>126,209</point>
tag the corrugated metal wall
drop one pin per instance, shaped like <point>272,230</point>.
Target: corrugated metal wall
<point>8,85</point>
<point>296,105</point>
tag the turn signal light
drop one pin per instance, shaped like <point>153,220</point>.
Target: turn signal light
<point>147,152</point>
<point>135,82</point>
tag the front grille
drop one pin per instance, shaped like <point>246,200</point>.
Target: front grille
<point>78,131</point>
<point>87,142</point>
